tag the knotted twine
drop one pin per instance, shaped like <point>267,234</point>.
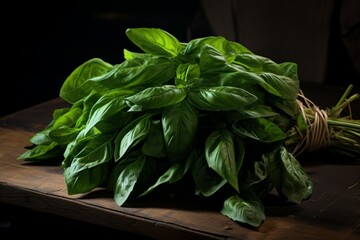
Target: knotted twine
<point>317,134</point>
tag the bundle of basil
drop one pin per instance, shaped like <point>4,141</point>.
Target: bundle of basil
<point>209,112</point>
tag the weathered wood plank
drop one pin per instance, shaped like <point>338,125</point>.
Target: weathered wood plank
<point>332,212</point>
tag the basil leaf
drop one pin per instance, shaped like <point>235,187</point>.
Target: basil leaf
<point>156,97</point>
<point>288,176</point>
<point>133,136</point>
<point>179,123</point>
<point>221,98</point>
<point>207,181</point>
<point>136,72</point>
<point>260,129</point>
<point>257,64</point>
<point>85,180</point>
<point>173,174</point>
<point>155,41</point>
<point>246,211</point>
<point>41,152</point>
<point>64,135</point>
<point>76,85</point>
<point>109,105</point>
<point>220,156</point>
<point>130,127</point>
<point>127,178</point>
<point>154,144</point>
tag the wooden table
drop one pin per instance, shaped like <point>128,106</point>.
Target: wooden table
<point>332,212</point>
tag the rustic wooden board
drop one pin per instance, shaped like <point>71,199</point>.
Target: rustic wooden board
<point>332,212</point>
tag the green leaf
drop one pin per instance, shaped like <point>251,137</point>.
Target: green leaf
<point>290,70</point>
<point>130,55</point>
<point>88,151</point>
<point>290,107</point>
<point>42,152</point>
<point>126,180</point>
<point>142,120</point>
<point>253,111</point>
<point>173,174</point>
<point>290,179</point>
<point>84,180</point>
<point>133,136</point>
<point>85,168</point>
<point>287,87</point>
<point>136,72</point>
<point>227,48</point>
<point>64,135</point>
<point>76,85</point>
<point>250,212</point>
<point>257,64</point>
<point>154,144</point>
<point>157,97</point>
<point>42,137</point>
<point>187,72</point>
<point>260,129</point>
<point>179,123</point>
<point>67,119</point>
<point>97,150</point>
<point>220,156</point>
<point>221,98</point>
<point>207,181</point>
<point>86,104</point>
<point>155,41</point>
<point>109,105</point>
<point>256,178</point>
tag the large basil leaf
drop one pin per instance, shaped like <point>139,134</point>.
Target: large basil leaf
<point>257,64</point>
<point>92,151</point>
<point>179,123</point>
<point>171,175</point>
<point>41,152</point>
<point>76,85</point>
<point>246,211</point>
<point>221,98</point>
<point>156,97</point>
<point>67,119</point>
<point>287,87</point>
<point>207,181</point>
<point>253,111</point>
<point>110,104</point>
<point>42,137</point>
<point>260,129</point>
<point>155,41</point>
<point>136,72</point>
<point>130,169</point>
<point>64,135</point>
<point>290,179</point>
<point>135,135</point>
<point>154,144</point>
<point>220,156</point>
<point>88,168</point>
<point>212,63</point>
<point>131,127</point>
<point>290,70</point>
<point>85,180</point>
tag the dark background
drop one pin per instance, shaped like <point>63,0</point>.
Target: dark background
<point>43,42</point>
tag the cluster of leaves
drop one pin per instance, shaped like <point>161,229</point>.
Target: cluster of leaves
<point>208,110</point>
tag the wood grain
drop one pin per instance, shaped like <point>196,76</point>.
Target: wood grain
<point>332,212</point>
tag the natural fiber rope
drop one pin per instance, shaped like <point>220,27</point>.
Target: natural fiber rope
<point>317,134</point>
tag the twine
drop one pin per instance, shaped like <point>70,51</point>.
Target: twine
<point>317,134</point>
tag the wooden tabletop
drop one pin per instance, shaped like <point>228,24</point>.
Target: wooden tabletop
<point>332,212</point>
